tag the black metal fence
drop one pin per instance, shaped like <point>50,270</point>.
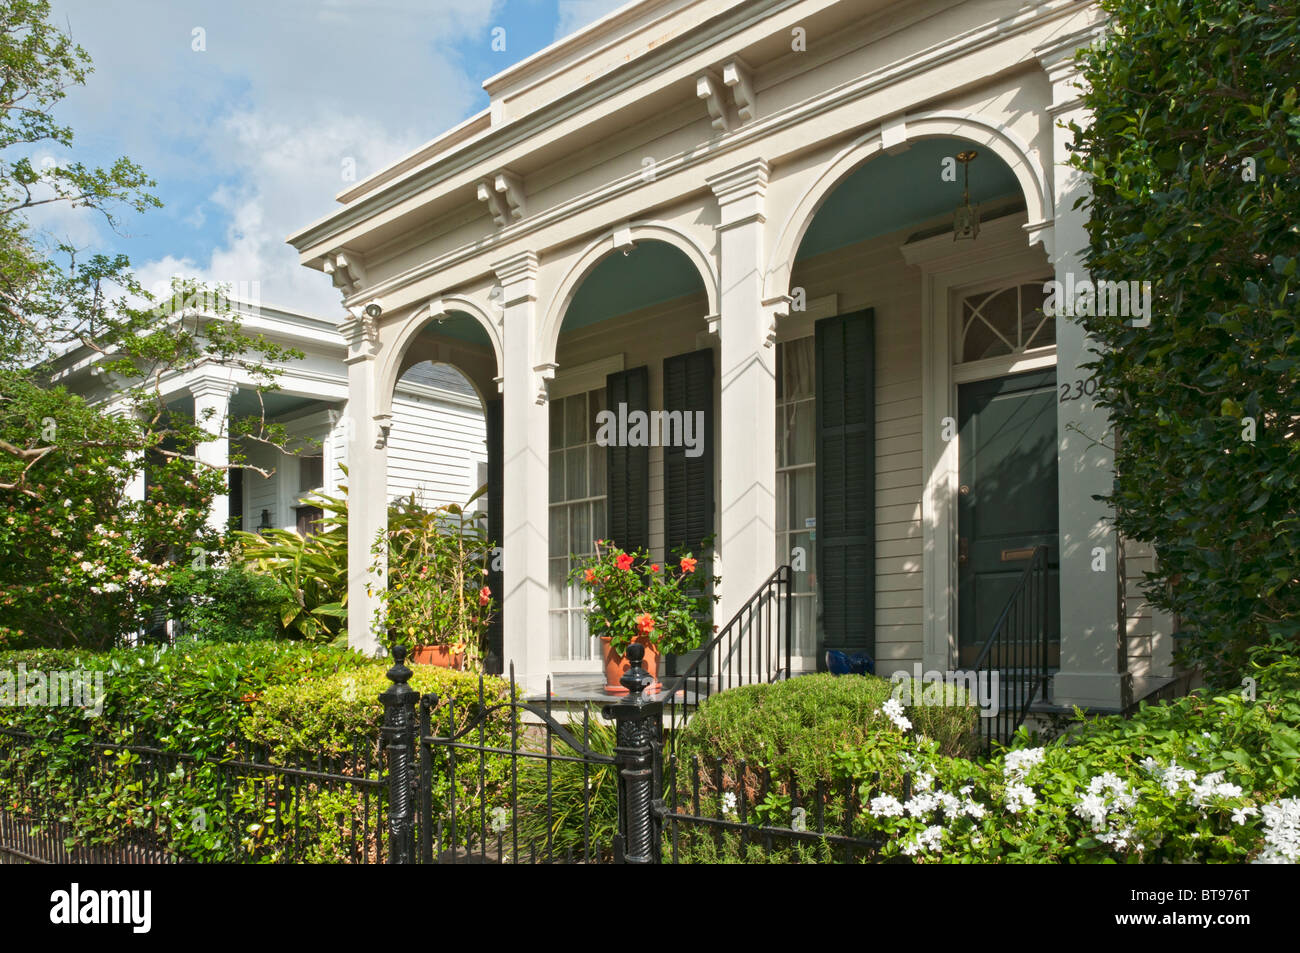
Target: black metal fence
<point>507,782</point>
<point>98,802</point>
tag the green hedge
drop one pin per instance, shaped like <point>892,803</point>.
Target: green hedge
<point>793,728</point>
<point>296,703</point>
<point>1193,154</point>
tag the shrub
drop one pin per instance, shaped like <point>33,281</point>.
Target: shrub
<point>1193,153</point>
<point>227,604</point>
<point>792,728</point>
<point>437,573</point>
<point>1202,779</point>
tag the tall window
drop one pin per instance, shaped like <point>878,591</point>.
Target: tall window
<point>577,515</point>
<point>796,481</point>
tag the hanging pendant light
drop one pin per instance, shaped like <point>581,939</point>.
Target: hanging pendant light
<point>966,220</point>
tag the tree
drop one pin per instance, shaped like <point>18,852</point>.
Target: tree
<point>79,562</point>
<point>1193,153</point>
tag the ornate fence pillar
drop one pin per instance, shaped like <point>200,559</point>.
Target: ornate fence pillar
<point>636,756</point>
<point>399,737</point>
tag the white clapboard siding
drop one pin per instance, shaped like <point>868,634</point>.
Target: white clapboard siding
<point>437,441</point>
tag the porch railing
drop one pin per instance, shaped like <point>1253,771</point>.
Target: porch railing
<point>1014,658</point>
<point>754,647</point>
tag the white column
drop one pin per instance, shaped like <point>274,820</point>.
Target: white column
<point>1094,655</point>
<point>367,483</point>
<point>746,432</point>
<point>134,490</point>
<point>525,530</point>
<point>211,413</point>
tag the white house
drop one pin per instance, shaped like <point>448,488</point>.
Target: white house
<point>757,211</point>
<point>437,440</point>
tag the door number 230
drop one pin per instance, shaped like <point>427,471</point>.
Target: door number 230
<point>1077,390</point>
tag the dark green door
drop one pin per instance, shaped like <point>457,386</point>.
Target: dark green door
<point>1006,502</point>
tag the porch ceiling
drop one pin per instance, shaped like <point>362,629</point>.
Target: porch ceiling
<point>892,192</point>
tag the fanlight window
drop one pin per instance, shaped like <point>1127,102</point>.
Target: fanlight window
<point>1005,321</point>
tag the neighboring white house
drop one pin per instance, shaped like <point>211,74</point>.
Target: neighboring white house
<point>756,210</point>
<point>437,448</point>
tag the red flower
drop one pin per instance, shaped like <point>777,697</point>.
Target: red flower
<point>483,595</point>
<point>589,576</point>
<point>688,564</point>
<point>654,567</point>
<point>645,623</point>
<point>624,561</point>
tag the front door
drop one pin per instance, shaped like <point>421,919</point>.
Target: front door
<point>1007,502</point>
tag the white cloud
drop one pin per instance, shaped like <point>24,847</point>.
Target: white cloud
<point>282,94</point>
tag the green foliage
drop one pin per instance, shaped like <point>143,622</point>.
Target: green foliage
<point>188,699</point>
<point>310,573</point>
<point>581,815</point>
<point>793,728</point>
<point>1193,153</point>
<point>628,596</point>
<point>1189,781</point>
<point>227,604</point>
<point>437,563</point>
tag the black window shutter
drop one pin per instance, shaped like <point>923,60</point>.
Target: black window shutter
<point>628,468</point>
<point>846,481</point>
<point>495,527</point>
<point>688,481</point>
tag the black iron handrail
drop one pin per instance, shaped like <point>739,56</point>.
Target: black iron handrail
<point>1018,645</point>
<point>754,647</point>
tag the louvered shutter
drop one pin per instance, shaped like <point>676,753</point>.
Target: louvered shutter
<point>688,481</point>
<point>628,468</point>
<point>846,480</point>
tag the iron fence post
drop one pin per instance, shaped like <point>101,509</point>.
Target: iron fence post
<point>639,727</point>
<point>399,701</point>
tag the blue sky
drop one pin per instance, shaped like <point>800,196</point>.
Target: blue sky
<point>249,137</point>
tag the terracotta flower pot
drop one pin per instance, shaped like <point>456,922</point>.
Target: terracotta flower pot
<point>616,665</point>
<point>440,655</point>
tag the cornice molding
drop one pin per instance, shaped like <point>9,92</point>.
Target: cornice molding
<point>744,136</point>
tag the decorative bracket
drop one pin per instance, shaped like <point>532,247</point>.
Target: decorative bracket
<point>709,88</point>
<point>346,270</point>
<point>385,425</point>
<point>545,374</point>
<point>774,309</point>
<point>623,238</point>
<point>738,77</point>
<point>504,195</point>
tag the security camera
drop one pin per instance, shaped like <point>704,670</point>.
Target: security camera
<point>373,310</point>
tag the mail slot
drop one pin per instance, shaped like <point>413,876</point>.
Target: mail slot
<point>1011,555</point>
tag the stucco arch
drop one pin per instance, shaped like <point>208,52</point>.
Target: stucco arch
<point>1017,154</point>
<point>414,324</point>
<point>616,239</point>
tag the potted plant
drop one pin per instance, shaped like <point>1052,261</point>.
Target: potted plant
<point>631,597</point>
<point>437,599</point>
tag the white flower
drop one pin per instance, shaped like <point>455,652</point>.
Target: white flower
<point>729,803</point>
<point>924,781</point>
<point>893,710</point>
<point>973,809</point>
<point>112,587</point>
<point>1212,786</point>
<point>1020,796</point>
<point>87,566</point>
<point>1240,814</point>
<point>1281,832</point>
<point>67,503</point>
<point>886,806</point>
<point>929,839</point>
<point>922,804</point>
<point>1018,764</point>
